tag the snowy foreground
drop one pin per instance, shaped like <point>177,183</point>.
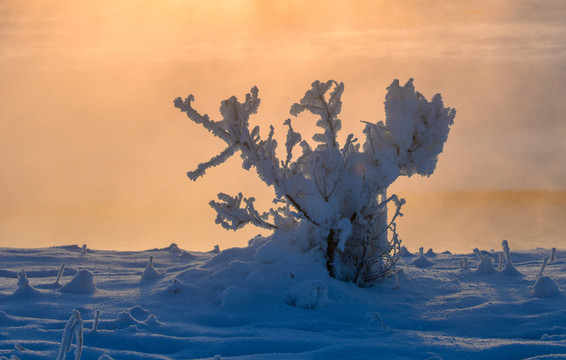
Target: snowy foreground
<point>266,302</point>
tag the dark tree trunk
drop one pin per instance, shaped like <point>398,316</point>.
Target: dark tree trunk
<point>332,243</point>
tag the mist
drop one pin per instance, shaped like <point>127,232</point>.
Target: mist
<point>94,152</point>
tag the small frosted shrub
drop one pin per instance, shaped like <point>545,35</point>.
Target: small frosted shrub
<point>509,268</point>
<point>73,329</point>
<point>59,274</point>
<point>24,287</point>
<point>23,281</point>
<point>337,192</point>
<point>96,320</point>
<point>310,294</point>
<point>544,261</point>
<point>500,255</point>
<point>150,272</point>
<point>463,264</point>
<point>485,266</point>
<point>421,261</point>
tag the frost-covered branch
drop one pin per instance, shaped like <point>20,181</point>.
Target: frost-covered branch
<point>315,102</point>
<point>232,216</point>
<point>73,329</point>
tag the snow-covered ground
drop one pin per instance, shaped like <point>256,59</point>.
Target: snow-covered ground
<point>266,301</point>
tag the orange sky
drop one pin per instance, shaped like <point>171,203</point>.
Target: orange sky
<point>93,151</point>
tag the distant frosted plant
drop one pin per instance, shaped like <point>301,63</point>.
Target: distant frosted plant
<point>23,281</point>
<point>150,272</point>
<point>464,264</point>
<point>500,254</point>
<point>73,329</point>
<point>485,266</point>
<point>96,320</point>
<point>59,274</point>
<point>552,255</point>
<point>24,287</point>
<point>83,251</point>
<point>509,268</point>
<point>421,261</point>
<point>336,193</point>
<point>544,261</point>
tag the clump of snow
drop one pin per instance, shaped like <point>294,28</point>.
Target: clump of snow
<point>233,297</point>
<point>430,253</point>
<point>508,268</point>
<point>176,287</point>
<point>139,312</point>
<point>421,261</point>
<point>152,321</point>
<point>105,357</point>
<point>485,266</point>
<point>173,248</point>
<point>256,278</point>
<point>309,294</point>
<point>276,249</point>
<point>24,288</point>
<point>150,273</point>
<point>545,287</point>
<point>82,283</point>
<point>187,255</point>
<point>405,252</point>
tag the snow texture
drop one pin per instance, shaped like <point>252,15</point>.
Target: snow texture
<point>310,294</point>
<point>233,306</point>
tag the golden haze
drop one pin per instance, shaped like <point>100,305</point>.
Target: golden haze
<point>93,151</point>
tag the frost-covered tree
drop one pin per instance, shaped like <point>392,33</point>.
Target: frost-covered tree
<point>336,193</point>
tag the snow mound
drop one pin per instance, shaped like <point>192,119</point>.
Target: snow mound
<point>152,321</point>
<point>485,266</point>
<point>150,273</point>
<point>545,287</point>
<point>404,252</point>
<point>24,288</point>
<point>508,269</point>
<point>234,297</point>
<point>82,283</point>
<point>310,294</point>
<point>422,262</point>
<point>430,253</point>
<point>176,287</point>
<point>138,312</point>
